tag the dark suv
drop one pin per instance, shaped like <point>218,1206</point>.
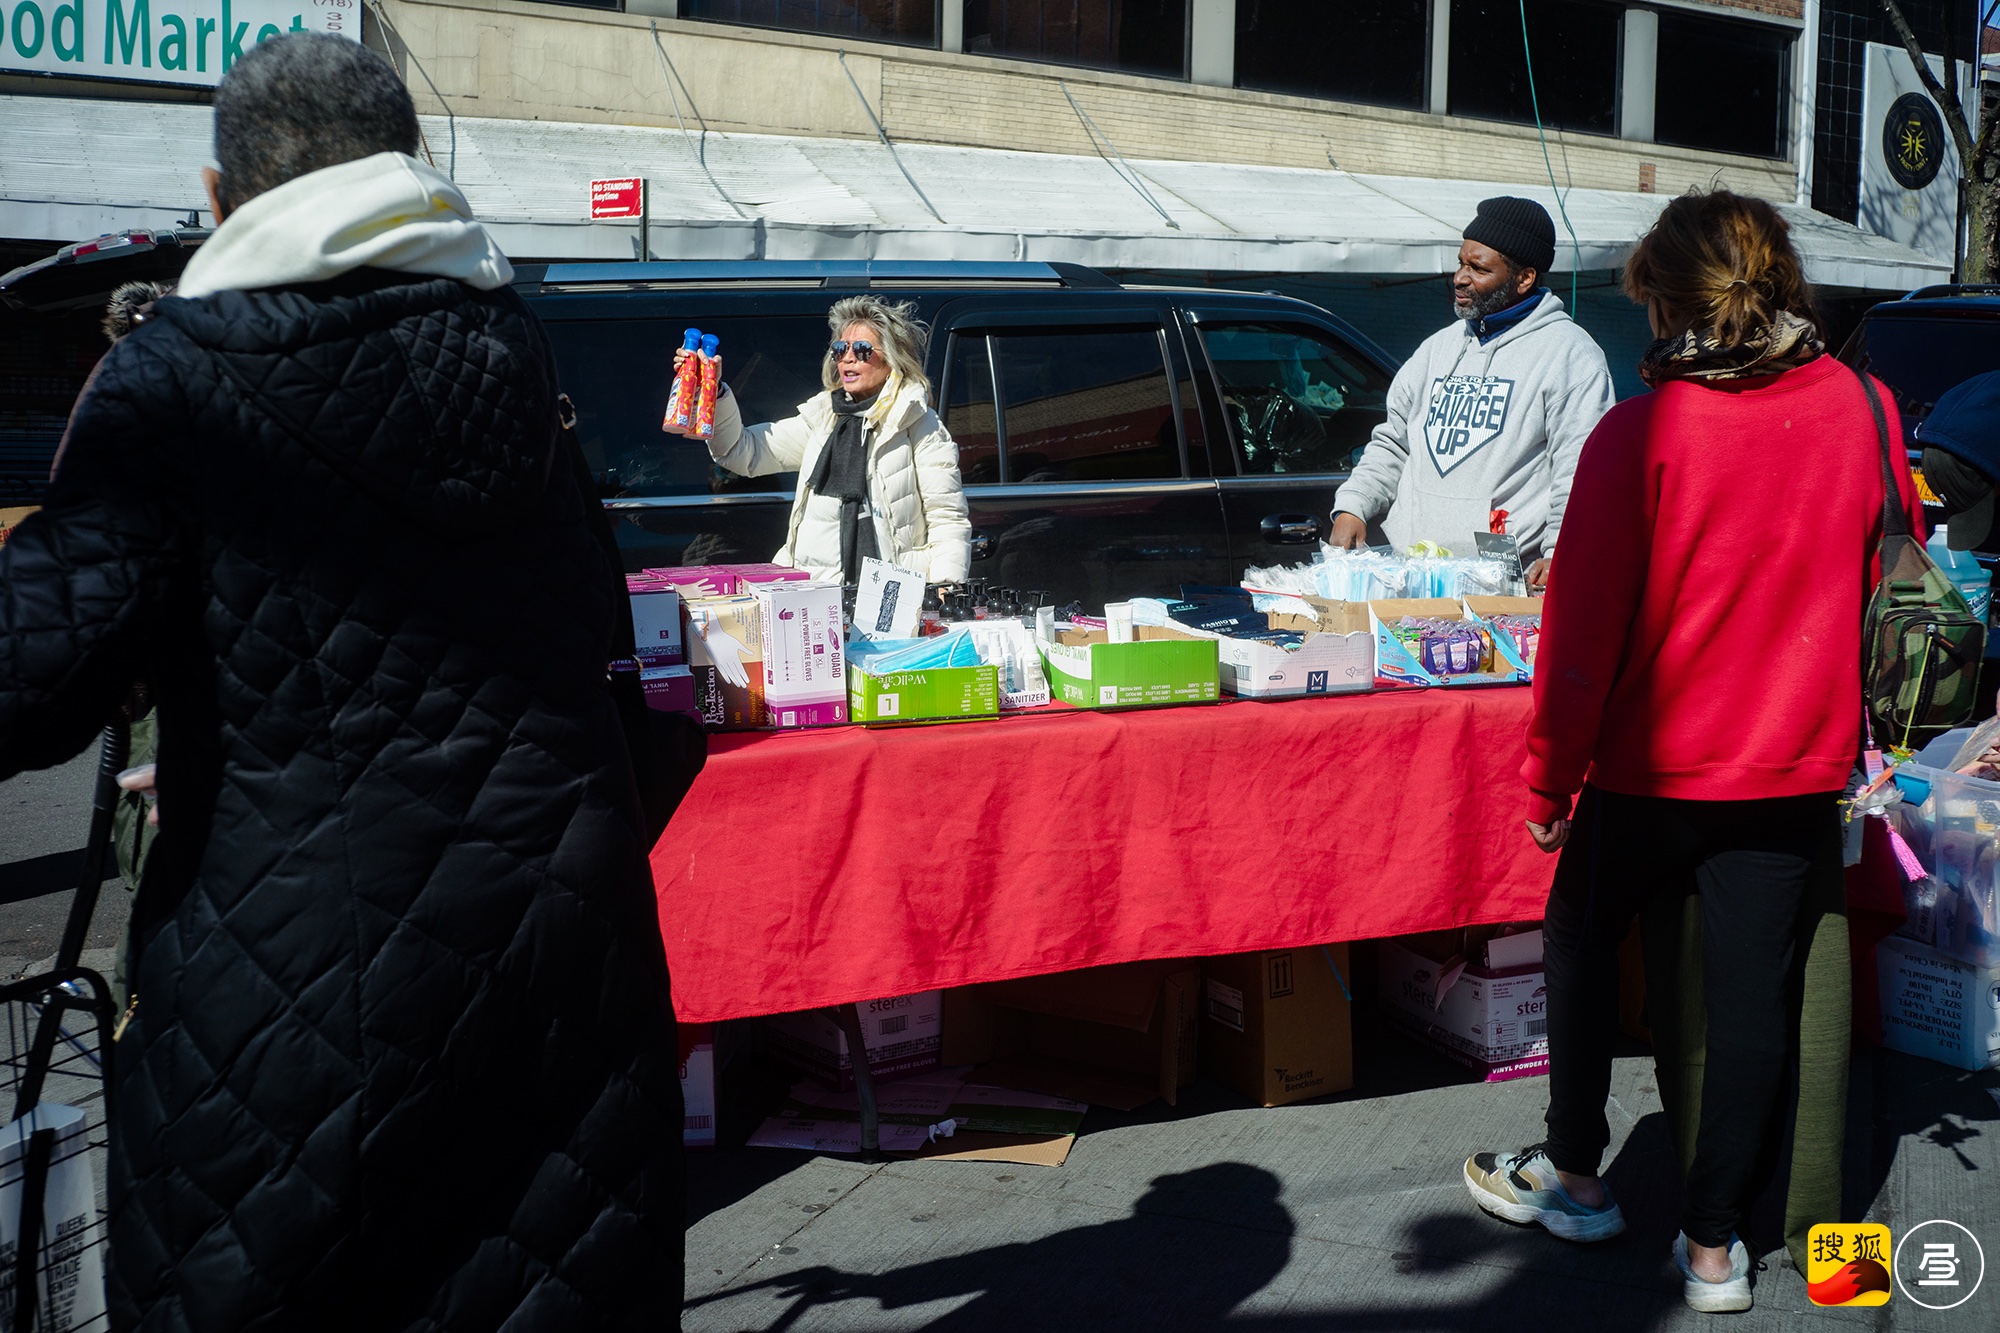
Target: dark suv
<point>1113,440</point>
<point>1925,343</point>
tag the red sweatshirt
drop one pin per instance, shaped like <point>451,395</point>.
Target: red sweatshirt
<point>1702,632</point>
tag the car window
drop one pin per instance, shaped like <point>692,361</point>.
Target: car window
<point>1296,399</point>
<point>619,373</point>
<point>1086,406</point>
<point>1920,359</point>
<point>969,414</point>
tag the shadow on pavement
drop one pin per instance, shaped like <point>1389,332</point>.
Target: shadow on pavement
<point>1153,1269</point>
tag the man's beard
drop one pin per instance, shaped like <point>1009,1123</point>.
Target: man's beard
<point>1490,304</point>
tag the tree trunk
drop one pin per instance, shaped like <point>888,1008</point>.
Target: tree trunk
<point>1982,212</point>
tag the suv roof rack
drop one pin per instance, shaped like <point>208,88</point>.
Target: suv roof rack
<point>1947,289</point>
<point>824,273</point>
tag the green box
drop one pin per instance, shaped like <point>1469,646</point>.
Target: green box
<point>937,694</point>
<point>1162,667</point>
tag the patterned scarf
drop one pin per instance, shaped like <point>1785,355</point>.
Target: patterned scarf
<point>1784,344</point>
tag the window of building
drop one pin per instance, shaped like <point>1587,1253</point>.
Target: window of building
<point>1296,400</point>
<point>1135,36</point>
<point>1699,59</point>
<point>1090,406</point>
<point>1577,53</point>
<point>1375,51</point>
<point>909,22</point>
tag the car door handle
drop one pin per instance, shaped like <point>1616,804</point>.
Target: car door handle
<point>982,544</point>
<point>1290,529</point>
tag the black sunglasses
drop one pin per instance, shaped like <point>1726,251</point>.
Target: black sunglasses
<point>864,351</point>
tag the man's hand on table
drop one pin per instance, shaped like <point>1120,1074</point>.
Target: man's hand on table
<point>1349,532</point>
<point>1549,837</point>
<point>1538,576</point>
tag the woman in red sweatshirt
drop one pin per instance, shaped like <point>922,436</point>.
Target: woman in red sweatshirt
<point>1699,681</point>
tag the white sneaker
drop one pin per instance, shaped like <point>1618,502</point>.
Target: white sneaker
<point>1523,1187</point>
<point>1725,1297</point>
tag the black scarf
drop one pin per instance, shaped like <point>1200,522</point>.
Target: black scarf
<point>842,474</point>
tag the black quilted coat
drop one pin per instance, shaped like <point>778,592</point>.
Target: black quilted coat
<point>402,1055</point>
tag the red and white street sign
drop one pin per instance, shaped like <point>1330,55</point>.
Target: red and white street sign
<point>617,198</point>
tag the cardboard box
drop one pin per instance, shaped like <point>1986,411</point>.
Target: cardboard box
<point>1277,1026</point>
<point>707,1050</point>
<point>724,638</point>
<point>1337,656</point>
<point>900,1031</point>
<point>1116,1036</point>
<point>937,1113</point>
<point>1010,646</point>
<point>937,694</point>
<point>1162,666</point>
<point>656,624</point>
<point>722,580</point>
<point>1937,1006</point>
<point>1396,664</point>
<point>805,661</point>
<point>1492,1019</point>
<point>11,518</point>
<point>1485,608</point>
<point>670,689</point>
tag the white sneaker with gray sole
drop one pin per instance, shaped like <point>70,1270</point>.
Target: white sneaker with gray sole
<point>1523,1187</point>
<point>1725,1297</point>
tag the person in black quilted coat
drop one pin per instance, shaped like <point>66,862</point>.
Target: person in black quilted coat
<point>400,1053</point>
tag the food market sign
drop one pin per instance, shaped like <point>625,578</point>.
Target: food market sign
<point>156,41</point>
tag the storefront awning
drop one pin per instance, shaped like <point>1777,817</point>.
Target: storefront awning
<point>74,168</point>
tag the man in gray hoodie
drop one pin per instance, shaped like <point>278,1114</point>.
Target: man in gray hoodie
<point>1487,418</point>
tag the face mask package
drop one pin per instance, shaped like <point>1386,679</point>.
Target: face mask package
<point>940,678</point>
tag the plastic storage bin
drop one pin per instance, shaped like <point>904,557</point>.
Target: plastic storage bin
<point>1952,823</point>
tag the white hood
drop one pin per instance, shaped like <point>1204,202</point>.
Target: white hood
<point>387,211</point>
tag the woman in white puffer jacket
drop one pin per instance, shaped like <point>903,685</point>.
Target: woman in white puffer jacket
<point>878,472</point>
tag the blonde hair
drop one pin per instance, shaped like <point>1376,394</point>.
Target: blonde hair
<point>1722,263</point>
<point>902,337</point>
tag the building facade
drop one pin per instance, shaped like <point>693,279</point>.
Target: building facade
<point>1637,98</point>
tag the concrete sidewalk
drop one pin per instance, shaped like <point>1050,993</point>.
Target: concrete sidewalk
<point>1344,1214</point>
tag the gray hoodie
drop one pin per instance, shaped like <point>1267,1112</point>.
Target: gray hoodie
<point>1492,427</point>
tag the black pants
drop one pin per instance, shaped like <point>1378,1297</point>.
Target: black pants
<point>1755,865</point>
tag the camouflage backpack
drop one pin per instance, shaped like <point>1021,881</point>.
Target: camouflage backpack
<point>1921,645</point>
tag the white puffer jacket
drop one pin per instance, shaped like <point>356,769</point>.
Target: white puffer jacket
<point>913,482</point>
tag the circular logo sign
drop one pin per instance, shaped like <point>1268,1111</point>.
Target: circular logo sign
<point>1913,141</point>
<point>1939,1265</point>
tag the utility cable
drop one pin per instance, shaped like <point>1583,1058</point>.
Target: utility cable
<point>883,135</point>
<point>1535,102</point>
<point>1133,179</point>
<point>672,75</point>
<point>451,121</point>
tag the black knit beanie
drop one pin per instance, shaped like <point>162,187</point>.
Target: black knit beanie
<point>1519,229</point>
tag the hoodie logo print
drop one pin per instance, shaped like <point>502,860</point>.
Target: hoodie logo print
<point>1467,413</point>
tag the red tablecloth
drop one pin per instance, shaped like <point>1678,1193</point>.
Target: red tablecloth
<point>813,868</point>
